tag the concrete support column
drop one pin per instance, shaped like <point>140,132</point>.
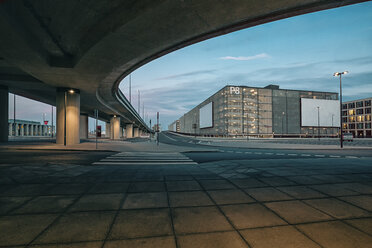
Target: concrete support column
<point>4,112</point>
<point>108,130</point>
<point>115,128</point>
<point>25,127</point>
<point>68,116</point>
<point>22,130</point>
<point>129,129</point>
<point>121,132</point>
<point>136,132</point>
<point>10,129</point>
<point>16,129</point>
<point>83,126</point>
<point>41,130</point>
<point>32,130</point>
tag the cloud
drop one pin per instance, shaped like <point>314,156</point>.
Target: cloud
<point>187,74</point>
<point>242,58</point>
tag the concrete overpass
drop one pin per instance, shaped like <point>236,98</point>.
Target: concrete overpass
<point>73,54</point>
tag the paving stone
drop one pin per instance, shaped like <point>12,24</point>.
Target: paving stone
<point>336,234</point>
<point>22,229</point>
<point>216,184</point>
<point>301,192</point>
<point>141,223</point>
<point>146,200</point>
<point>362,224</point>
<point>212,240</point>
<point>267,194</point>
<point>363,201</point>
<point>183,186</point>
<point>161,242</point>
<point>277,181</point>
<point>68,189</point>
<point>251,215</point>
<point>306,180</point>
<point>297,212</point>
<point>337,208</point>
<point>97,202</point>
<point>189,199</point>
<point>178,177</point>
<point>74,227</point>
<point>248,183</point>
<point>360,188</point>
<point>26,190</point>
<point>46,204</point>
<point>9,203</point>
<point>146,187</point>
<point>230,196</point>
<point>199,219</point>
<point>334,189</point>
<point>278,237</point>
<point>71,245</point>
<point>106,188</point>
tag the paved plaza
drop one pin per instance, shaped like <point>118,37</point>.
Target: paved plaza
<point>113,199</point>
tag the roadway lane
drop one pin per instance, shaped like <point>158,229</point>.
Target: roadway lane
<point>232,153</point>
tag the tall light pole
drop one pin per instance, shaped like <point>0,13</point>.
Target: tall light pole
<point>318,124</point>
<point>130,88</point>
<point>283,124</point>
<point>340,75</point>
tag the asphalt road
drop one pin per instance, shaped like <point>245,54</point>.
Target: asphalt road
<point>26,157</point>
<point>231,153</point>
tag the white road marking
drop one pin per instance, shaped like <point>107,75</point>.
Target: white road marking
<point>279,154</point>
<point>351,157</point>
<point>334,156</point>
<point>248,152</point>
<point>305,155</point>
<point>269,153</point>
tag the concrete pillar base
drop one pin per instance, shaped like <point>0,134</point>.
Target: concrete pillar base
<point>68,116</point>
<point>83,132</point>
<point>115,128</point>
<point>136,132</point>
<point>129,131</point>
<point>108,130</point>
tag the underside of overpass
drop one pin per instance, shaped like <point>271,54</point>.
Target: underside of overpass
<point>47,46</point>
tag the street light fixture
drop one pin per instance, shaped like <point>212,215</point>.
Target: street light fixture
<point>318,124</point>
<point>339,74</point>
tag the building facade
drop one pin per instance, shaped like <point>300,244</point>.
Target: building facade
<point>356,117</point>
<point>28,128</point>
<point>253,111</point>
<point>174,126</point>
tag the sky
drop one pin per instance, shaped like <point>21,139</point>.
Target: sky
<point>300,53</point>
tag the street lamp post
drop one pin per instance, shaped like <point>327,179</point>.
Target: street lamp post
<point>340,75</point>
<point>283,124</point>
<point>318,125</point>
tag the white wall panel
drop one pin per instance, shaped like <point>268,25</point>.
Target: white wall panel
<point>206,116</point>
<point>329,112</point>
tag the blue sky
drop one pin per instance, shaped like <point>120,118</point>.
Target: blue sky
<point>296,53</point>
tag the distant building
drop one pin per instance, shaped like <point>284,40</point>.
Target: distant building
<point>264,112</point>
<point>28,128</point>
<point>174,126</point>
<point>356,117</point>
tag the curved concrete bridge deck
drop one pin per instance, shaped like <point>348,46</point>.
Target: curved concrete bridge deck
<point>48,48</point>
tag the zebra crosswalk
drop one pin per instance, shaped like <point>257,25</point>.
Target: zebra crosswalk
<point>146,158</point>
